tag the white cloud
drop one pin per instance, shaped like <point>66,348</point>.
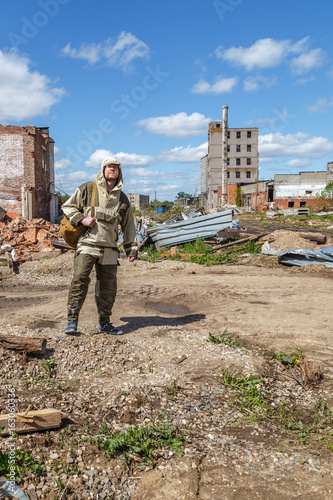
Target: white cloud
<point>183,154</point>
<point>69,182</point>
<point>126,159</point>
<point>179,125</point>
<point>320,106</point>
<point>119,53</point>
<point>252,83</point>
<point>63,164</point>
<point>221,86</point>
<point>299,144</point>
<point>264,53</point>
<point>269,53</point>
<point>304,81</point>
<point>24,94</point>
<point>259,121</point>
<point>308,61</point>
<point>297,162</point>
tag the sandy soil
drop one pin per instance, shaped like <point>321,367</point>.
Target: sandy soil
<point>268,306</point>
<point>275,307</point>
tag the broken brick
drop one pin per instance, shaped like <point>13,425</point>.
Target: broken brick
<point>42,235</point>
<point>30,235</point>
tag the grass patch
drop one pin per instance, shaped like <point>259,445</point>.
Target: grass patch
<point>312,426</point>
<point>226,339</point>
<point>250,393</point>
<point>172,390</point>
<point>141,445</point>
<point>23,461</point>
<point>201,253</point>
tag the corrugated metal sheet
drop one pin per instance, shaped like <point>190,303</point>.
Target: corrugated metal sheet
<point>202,227</point>
<point>300,257</point>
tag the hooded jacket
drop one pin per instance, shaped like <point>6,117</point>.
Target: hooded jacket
<point>111,210</point>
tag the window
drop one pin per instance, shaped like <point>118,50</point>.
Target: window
<point>43,158</point>
<point>302,203</point>
<point>238,148</point>
<point>238,135</point>
<point>237,175</point>
<point>218,125</point>
<point>308,192</point>
<point>249,134</point>
<point>248,174</point>
<point>228,148</point>
<point>237,161</point>
<point>228,134</point>
<point>248,148</point>
<point>228,161</point>
<point>228,174</point>
<point>248,161</point>
<point>291,204</point>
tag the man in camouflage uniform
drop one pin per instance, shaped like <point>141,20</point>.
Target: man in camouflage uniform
<point>97,246</point>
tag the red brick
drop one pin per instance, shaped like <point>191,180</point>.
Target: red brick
<point>30,235</point>
<point>42,235</point>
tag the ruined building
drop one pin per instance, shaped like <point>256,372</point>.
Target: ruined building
<point>27,172</point>
<point>242,163</point>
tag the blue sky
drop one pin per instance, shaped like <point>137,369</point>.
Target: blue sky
<point>141,80</point>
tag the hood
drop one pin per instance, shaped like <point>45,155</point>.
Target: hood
<point>100,179</point>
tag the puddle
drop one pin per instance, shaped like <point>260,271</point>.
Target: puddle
<point>168,308</point>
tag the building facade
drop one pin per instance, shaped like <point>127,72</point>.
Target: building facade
<point>27,172</point>
<point>301,190</point>
<point>139,201</point>
<point>242,161</point>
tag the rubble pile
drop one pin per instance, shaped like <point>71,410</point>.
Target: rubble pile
<point>27,237</point>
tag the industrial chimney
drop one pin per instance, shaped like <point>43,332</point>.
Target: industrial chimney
<point>224,196</point>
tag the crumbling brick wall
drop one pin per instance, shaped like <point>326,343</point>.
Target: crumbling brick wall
<point>25,170</point>
<point>11,168</point>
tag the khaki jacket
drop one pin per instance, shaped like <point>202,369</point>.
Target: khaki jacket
<point>111,211</point>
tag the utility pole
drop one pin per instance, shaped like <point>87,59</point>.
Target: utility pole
<point>224,195</point>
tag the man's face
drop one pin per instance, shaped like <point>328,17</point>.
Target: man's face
<point>111,172</point>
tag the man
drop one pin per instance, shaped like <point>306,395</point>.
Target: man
<point>98,244</point>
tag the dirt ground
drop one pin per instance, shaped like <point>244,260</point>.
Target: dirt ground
<point>167,310</point>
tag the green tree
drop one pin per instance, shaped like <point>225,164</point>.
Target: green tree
<point>62,197</point>
<point>181,194</point>
<point>326,196</point>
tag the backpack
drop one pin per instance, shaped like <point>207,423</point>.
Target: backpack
<point>70,233</point>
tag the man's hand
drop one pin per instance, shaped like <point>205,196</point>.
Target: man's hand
<point>88,221</point>
<point>131,259</point>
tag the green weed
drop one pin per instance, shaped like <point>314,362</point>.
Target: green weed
<point>141,444</point>
<point>23,461</point>
<point>250,392</point>
<point>226,339</point>
<point>293,359</point>
<point>172,390</point>
<point>49,366</point>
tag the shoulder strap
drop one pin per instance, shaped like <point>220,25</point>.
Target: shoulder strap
<point>93,197</point>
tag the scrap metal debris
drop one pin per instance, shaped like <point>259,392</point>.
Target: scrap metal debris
<point>198,226</point>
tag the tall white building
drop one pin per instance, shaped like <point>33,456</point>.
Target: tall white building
<point>138,201</point>
<point>242,162</point>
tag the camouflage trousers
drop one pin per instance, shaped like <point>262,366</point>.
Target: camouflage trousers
<point>105,287</point>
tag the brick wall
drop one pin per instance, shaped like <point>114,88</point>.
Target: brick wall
<point>25,166</point>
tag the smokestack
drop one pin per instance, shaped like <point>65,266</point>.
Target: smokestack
<point>224,197</point>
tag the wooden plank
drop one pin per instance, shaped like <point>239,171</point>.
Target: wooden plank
<point>319,238</point>
<point>23,344</point>
<point>237,242</point>
<point>32,421</point>
<point>233,234</point>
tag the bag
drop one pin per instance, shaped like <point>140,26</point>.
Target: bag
<point>70,233</point>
